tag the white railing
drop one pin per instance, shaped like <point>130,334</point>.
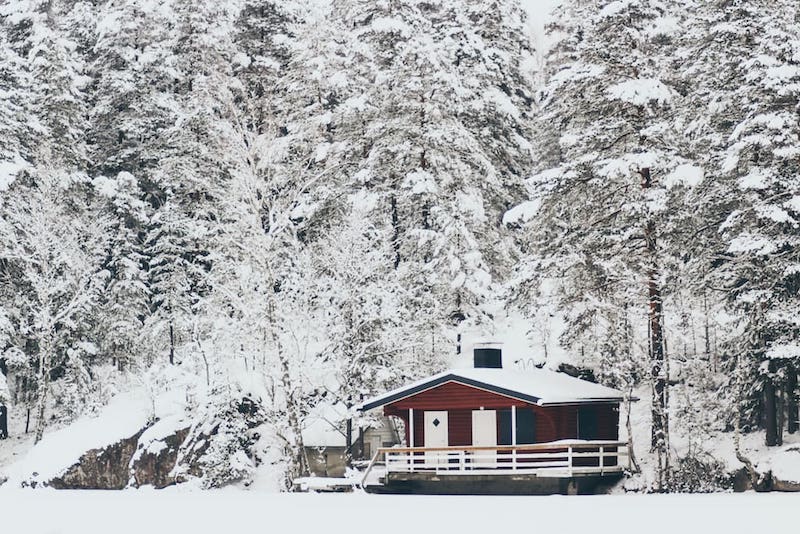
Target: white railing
<point>554,459</point>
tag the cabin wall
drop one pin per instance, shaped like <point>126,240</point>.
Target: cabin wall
<point>552,422</point>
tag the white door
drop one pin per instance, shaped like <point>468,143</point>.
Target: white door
<point>436,436</point>
<point>484,434</point>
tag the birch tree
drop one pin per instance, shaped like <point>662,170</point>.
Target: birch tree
<point>57,254</point>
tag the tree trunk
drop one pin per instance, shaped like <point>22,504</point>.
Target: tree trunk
<point>655,327</point>
<point>171,344</point>
<point>348,452</point>
<point>45,349</point>
<point>770,408</point>
<point>295,444</point>
<point>3,400</point>
<point>395,231</point>
<point>633,465</point>
<point>791,399</point>
<point>3,421</point>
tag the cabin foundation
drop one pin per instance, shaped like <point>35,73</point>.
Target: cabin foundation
<point>488,484</point>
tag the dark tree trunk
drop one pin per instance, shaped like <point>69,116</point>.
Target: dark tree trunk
<point>3,421</point>
<point>395,231</point>
<point>3,407</point>
<point>770,408</point>
<point>171,345</point>
<point>791,399</point>
<point>656,331</point>
<point>349,442</point>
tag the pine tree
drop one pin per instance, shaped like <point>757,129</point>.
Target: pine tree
<point>126,295</point>
<point>12,105</point>
<point>602,209</point>
<point>749,85</point>
<point>438,130</point>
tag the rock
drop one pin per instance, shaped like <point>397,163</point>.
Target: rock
<point>741,480</point>
<point>105,468</point>
<point>166,452</point>
<point>785,485</point>
<point>124,464</point>
<point>154,466</point>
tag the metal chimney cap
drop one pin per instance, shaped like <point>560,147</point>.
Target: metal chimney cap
<point>488,345</point>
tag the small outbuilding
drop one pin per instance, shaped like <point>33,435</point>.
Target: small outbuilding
<point>487,429</point>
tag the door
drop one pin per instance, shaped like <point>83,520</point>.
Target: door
<point>436,429</point>
<point>484,434</point>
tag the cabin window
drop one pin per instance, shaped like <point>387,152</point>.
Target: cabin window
<point>526,426</point>
<point>587,423</point>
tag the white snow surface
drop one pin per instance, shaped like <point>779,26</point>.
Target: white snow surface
<point>137,511</point>
<point>9,170</point>
<point>523,212</point>
<point>549,387</point>
<point>321,426</point>
<point>751,243</point>
<point>640,92</point>
<point>685,175</point>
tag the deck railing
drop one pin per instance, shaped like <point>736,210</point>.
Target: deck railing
<point>554,459</point>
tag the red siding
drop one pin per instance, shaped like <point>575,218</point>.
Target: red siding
<point>452,395</point>
<point>460,430</point>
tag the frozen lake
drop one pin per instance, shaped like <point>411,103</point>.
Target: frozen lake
<point>152,512</point>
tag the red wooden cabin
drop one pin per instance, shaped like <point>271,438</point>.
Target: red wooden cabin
<point>489,428</point>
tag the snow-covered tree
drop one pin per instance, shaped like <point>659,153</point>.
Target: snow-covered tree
<point>600,210</point>
<point>125,299</point>
<point>55,250</point>
<point>438,129</point>
<point>747,125</point>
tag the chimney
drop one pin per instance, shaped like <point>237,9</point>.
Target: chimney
<point>488,356</point>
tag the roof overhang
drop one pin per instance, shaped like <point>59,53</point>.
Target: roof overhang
<point>435,381</point>
<point>410,391</point>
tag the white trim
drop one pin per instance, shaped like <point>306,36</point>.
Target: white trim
<point>513,424</point>
<point>411,427</point>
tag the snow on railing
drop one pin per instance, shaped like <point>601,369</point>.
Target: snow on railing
<point>564,458</point>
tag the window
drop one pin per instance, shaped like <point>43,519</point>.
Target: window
<point>526,426</point>
<point>587,423</point>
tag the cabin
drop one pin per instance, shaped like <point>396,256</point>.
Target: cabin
<point>488,429</point>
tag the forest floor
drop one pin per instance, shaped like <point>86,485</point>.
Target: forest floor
<point>137,511</point>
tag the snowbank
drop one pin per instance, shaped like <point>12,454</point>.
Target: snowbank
<point>122,418</point>
<point>125,415</point>
<point>134,512</point>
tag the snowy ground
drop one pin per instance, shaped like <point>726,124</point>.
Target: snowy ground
<point>67,512</point>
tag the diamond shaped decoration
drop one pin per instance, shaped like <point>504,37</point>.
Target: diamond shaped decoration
<point>436,422</point>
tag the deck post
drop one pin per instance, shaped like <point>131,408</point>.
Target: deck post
<point>514,436</point>
<point>411,436</point>
<point>569,460</point>
<point>601,460</point>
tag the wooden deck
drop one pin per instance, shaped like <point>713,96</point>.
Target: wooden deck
<point>566,459</point>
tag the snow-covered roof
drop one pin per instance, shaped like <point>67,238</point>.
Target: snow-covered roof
<point>322,427</point>
<point>537,386</point>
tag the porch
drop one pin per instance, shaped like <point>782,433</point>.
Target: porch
<point>563,459</point>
